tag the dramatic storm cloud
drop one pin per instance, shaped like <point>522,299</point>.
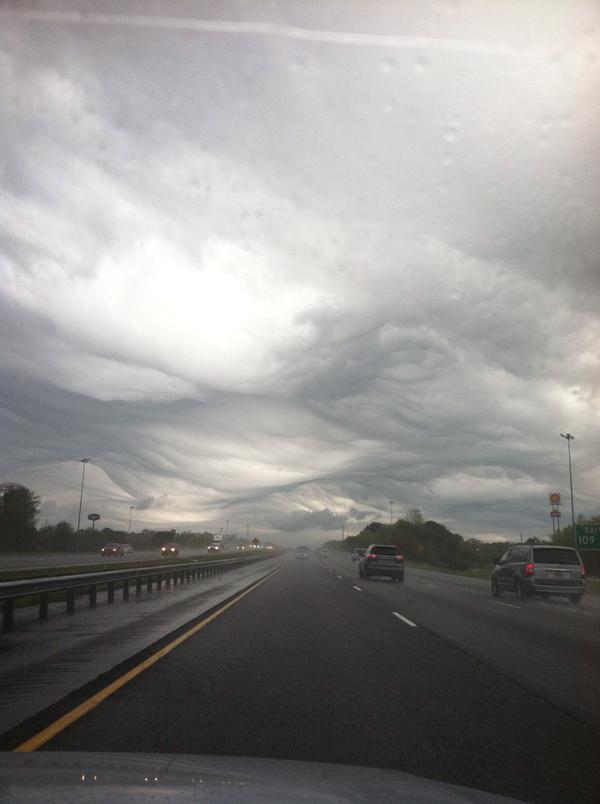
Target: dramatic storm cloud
<point>284,263</point>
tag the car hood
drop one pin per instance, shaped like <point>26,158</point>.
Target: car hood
<point>71,776</point>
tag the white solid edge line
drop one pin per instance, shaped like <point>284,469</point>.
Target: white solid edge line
<point>358,589</point>
<point>404,619</point>
<point>510,605</point>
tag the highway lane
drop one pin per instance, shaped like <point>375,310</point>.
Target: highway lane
<point>551,647</point>
<point>308,667</point>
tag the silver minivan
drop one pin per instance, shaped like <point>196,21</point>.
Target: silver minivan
<point>536,569</point>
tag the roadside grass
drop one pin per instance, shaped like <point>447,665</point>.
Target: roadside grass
<point>592,585</point>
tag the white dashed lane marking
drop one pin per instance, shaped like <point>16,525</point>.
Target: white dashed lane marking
<point>405,620</point>
<point>358,589</point>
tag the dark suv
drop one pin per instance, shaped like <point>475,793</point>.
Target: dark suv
<point>535,569</point>
<point>382,560</point>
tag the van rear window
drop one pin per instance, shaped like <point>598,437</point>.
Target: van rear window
<point>544,555</point>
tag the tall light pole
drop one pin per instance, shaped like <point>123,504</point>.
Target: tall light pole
<point>83,461</point>
<point>570,438</point>
<point>131,507</point>
<point>391,512</point>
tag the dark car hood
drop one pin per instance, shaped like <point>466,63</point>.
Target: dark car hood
<point>70,776</point>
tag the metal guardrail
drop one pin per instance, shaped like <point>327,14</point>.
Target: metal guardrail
<point>11,591</point>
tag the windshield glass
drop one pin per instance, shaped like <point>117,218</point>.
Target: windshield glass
<point>283,281</point>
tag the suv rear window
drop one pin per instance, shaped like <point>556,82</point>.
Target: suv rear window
<point>384,550</point>
<point>545,555</point>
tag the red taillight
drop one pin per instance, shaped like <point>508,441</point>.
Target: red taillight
<point>529,569</point>
<point>398,558</point>
<point>583,571</point>
<point>371,555</point>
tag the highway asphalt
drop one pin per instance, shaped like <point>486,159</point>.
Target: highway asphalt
<point>431,677</point>
<point>41,663</point>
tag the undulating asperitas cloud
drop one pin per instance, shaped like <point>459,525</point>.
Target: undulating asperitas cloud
<point>283,264</point>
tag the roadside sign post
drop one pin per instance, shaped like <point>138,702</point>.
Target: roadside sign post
<point>555,514</point>
<point>554,500</point>
<point>94,518</point>
<point>587,537</point>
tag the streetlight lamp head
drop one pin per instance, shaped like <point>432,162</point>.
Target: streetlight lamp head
<point>85,460</point>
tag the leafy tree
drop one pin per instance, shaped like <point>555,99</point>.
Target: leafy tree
<point>373,527</point>
<point>414,516</point>
<point>19,509</point>
<point>564,537</point>
<point>64,536</point>
<point>161,536</point>
<point>59,537</point>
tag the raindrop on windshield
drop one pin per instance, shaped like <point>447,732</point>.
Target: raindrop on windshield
<point>387,65</point>
<point>421,65</point>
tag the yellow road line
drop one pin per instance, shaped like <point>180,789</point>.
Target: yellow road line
<point>63,722</point>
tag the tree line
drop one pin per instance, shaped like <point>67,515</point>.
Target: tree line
<point>19,532</point>
<point>431,542</point>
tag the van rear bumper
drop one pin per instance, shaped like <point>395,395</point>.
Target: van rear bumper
<point>565,588</point>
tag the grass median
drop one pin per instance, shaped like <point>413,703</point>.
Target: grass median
<point>106,566</point>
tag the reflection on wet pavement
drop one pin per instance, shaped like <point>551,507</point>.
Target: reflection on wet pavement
<point>40,663</point>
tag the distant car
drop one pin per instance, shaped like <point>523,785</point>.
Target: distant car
<point>302,552</point>
<point>269,547</point>
<point>241,547</point>
<point>358,553</point>
<point>170,549</point>
<point>113,549</point>
<point>127,548</point>
<point>539,570</point>
<point>323,552</point>
<point>382,560</point>
<point>214,548</point>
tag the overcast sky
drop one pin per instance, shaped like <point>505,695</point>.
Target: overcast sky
<point>284,273</point>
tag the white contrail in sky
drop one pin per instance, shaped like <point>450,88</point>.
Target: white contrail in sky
<point>270,29</point>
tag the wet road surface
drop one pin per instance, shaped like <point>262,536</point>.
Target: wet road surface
<point>314,665</point>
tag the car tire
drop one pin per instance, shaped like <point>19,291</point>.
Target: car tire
<point>520,590</point>
<point>575,599</point>
<point>495,589</point>
<point>399,579</point>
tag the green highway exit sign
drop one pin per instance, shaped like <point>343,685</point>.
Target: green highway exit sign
<point>587,537</point>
